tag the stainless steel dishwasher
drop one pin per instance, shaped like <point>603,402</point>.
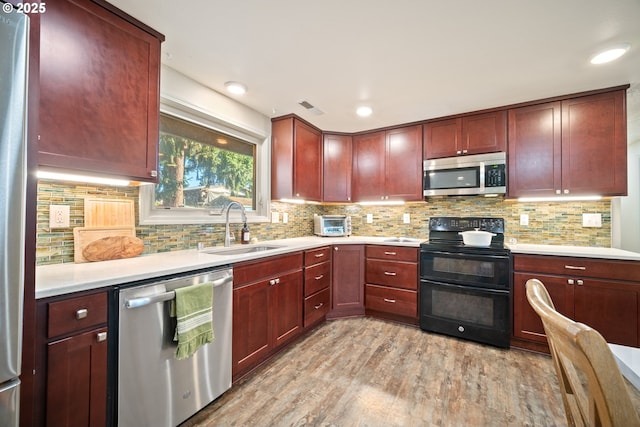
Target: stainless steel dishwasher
<point>153,387</point>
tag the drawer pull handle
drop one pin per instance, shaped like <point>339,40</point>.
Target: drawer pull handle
<point>274,281</point>
<point>390,253</point>
<point>318,306</point>
<point>101,336</point>
<point>390,273</point>
<point>570,281</point>
<point>574,267</point>
<point>389,300</point>
<point>319,277</point>
<point>319,255</point>
<point>580,282</point>
<point>82,313</point>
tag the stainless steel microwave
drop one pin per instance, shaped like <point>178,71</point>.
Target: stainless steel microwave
<point>332,225</point>
<point>483,174</point>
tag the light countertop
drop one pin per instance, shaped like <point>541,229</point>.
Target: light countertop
<point>59,279</point>
<point>574,251</point>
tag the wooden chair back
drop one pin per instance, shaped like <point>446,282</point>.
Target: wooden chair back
<point>593,390</point>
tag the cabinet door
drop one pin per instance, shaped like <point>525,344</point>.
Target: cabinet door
<point>442,139</point>
<point>609,308</point>
<point>77,380</point>
<point>347,297</point>
<point>307,170</point>
<point>594,145</point>
<point>286,307</point>
<point>403,177</point>
<point>250,325</point>
<point>282,159</point>
<point>534,166</point>
<point>99,92</point>
<point>336,170</point>
<point>484,133</point>
<point>526,322</point>
<point>368,166</point>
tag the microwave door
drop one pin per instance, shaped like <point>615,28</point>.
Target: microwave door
<point>442,182</point>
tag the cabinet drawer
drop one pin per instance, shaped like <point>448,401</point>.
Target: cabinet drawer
<point>75,314</point>
<point>392,253</point>
<point>389,273</point>
<point>251,271</point>
<point>578,267</point>
<point>314,256</point>
<point>316,306</point>
<point>390,300</point>
<point>317,277</point>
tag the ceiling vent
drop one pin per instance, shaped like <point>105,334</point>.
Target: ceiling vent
<point>311,107</point>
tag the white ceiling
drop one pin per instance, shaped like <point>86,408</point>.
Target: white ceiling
<point>408,59</point>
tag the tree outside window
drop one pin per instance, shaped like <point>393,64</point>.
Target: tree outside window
<point>202,168</point>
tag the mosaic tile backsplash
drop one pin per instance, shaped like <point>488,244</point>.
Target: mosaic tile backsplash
<point>549,223</point>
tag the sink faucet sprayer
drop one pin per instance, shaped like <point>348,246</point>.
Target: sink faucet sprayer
<point>227,237</point>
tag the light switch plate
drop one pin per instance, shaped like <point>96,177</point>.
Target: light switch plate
<point>285,217</point>
<point>275,217</point>
<point>369,218</point>
<point>524,219</point>
<point>406,218</point>
<point>59,216</point>
<point>592,220</point>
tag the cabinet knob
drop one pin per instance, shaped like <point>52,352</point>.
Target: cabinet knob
<point>580,282</point>
<point>349,198</point>
<point>458,152</point>
<point>464,151</point>
<point>570,281</point>
<point>101,336</point>
<point>153,173</point>
<point>566,191</point>
<point>558,192</point>
<point>82,313</point>
<point>335,248</point>
<point>461,328</point>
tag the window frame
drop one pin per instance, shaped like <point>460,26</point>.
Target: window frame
<point>150,215</point>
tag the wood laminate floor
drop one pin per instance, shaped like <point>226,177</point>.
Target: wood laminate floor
<point>369,372</point>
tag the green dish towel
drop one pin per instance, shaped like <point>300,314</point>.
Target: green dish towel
<point>193,309</point>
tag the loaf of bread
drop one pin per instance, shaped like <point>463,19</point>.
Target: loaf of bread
<point>113,247</point>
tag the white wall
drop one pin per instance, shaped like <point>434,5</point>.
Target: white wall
<point>178,88</point>
<point>629,207</point>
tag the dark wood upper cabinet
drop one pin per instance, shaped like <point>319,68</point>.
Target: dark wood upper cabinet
<point>99,91</point>
<point>387,165</point>
<point>336,168</point>
<point>296,160</point>
<point>569,147</point>
<point>473,134</point>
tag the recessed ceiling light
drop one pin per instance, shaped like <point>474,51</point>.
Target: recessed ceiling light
<point>364,111</point>
<point>610,54</point>
<point>236,88</point>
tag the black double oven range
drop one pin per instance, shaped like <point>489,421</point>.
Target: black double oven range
<point>465,291</point>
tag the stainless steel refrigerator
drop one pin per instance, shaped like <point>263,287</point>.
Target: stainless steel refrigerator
<point>13,88</point>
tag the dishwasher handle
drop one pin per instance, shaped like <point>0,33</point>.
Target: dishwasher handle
<point>168,296</point>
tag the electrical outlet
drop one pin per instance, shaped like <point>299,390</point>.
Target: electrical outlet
<point>524,219</point>
<point>285,217</point>
<point>592,220</point>
<point>59,216</point>
<point>406,218</point>
<point>369,218</point>
<point>275,217</point>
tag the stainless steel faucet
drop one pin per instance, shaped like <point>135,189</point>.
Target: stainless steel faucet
<point>227,236</point>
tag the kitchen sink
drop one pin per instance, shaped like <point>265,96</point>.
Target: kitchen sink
<point>241,250</point>
<point>401,240</point>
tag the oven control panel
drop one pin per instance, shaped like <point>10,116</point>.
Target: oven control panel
<point>444,223</point>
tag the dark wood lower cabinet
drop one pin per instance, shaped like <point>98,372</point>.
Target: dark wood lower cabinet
<point>267,309</point>
<point>347,296</point>
<point>602,294</point>
<point>77,380</point>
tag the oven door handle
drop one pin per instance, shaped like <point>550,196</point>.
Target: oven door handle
<point>501,291</point>
<point>464,255</point>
